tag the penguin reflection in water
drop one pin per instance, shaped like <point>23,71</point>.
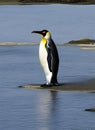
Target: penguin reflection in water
<point>49,58</point>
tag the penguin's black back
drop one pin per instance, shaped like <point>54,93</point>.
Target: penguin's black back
<point>53,60</point>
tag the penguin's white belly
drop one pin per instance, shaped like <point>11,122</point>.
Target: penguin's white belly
<point>44,63</point>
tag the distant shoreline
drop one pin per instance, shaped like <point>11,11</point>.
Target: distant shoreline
<point>2,2</point>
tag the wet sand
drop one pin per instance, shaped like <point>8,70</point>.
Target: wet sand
<point>88,86</point>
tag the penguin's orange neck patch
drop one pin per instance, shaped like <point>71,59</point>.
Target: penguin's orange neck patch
<point>44,41</point>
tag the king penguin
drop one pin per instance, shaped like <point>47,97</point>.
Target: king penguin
<point>49,58</point>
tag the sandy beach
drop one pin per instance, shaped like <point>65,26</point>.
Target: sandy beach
<point>87,86</point>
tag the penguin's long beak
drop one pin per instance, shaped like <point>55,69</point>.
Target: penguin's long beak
<point>38,32</point>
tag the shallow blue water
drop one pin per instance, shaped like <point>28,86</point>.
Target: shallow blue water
<point>38,109</point>
<point>35,109</point>
<point>66,22</point>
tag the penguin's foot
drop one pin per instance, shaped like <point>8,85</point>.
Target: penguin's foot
<point>46,85</point>
<point>56,84</point>
<point>50,85</point>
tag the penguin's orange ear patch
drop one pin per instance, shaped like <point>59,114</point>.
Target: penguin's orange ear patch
<point>48,34</point>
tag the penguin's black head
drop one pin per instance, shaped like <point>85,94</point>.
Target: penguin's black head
<point>43,32</point>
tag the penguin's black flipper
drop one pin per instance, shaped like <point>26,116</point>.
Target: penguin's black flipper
<point>49,59</point>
